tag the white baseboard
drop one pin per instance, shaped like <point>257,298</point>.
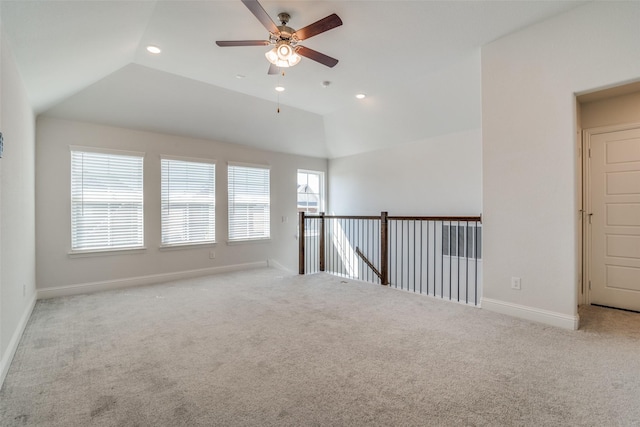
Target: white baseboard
<point>107,285</point>
<point>552,318</point>
<point>7,357</point>
<point>275,264</point>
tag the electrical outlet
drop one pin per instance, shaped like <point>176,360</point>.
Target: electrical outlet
<point>212,254</point>
<point>516,283</point>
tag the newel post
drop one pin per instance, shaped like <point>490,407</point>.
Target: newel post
<point>301,244</point>
<point>321,249</point>
<point>384,248</point>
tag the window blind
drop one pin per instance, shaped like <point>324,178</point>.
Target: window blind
<point>106,201</point>
<point>188,202</point>
<point>249,202</point>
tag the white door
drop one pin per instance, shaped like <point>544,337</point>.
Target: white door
<point>614,179</point>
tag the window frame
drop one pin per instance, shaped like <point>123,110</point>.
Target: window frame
<point>231,204</point>
<point>188,243</point>
<point>447,249</point>
<point>321,194</point>
<point>105,250</point>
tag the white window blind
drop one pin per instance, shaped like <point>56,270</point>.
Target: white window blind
<point>188,202</point>
<point>106,201</point>
<point>249,202</point>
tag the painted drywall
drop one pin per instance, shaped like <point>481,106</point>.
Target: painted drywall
<point>437,176</point>
<point>611,111</point>
<point>439,107</point>
<point>17,206</point>
<point>530,149</point>
<point>56,268</point>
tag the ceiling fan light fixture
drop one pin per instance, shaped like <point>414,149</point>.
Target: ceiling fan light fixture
<point>283,55</point>
<point>272,56</point>
<point>284,51</point>
<point>294,59</point>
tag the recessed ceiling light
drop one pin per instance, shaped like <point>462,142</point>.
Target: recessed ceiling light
<point>240,76</point>
<point>280,88</point>
<point>361,95</point>
<point>153,49</point>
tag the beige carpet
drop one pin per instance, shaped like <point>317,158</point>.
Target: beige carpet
<point>257,348</point>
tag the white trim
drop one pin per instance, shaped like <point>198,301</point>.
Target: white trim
<point>83,288</point>
<point>611,128</point>
<point>188,159</point>
<point>249,165</point>
<point>547,317</point>
<point>102,252</point>
<point>102,150</point>
<point>584,216</point>
<point>275,264</point>
<point>323,191</point>
<point>245,241</point>
<point>7,358</point>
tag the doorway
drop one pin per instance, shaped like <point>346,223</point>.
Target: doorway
<point>612,216</point>
<point>610,196</point>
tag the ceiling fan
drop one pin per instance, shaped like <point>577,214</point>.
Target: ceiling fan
<point>286,51</point>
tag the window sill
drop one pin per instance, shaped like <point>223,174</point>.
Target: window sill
<point>245,241</point>
<point>106,252</point>
<point>182,246</point>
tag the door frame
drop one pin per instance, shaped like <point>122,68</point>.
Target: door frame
<point>586,202</point>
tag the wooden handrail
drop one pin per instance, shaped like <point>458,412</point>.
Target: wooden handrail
<point>402,218</point>
<point>344,216</point>
<point>436,218</point>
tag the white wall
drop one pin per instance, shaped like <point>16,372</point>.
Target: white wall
<point>529,151</point>
<point>616,110</point>
<point>437,176</point>
<point>17,226</point>
<point>55,268</point>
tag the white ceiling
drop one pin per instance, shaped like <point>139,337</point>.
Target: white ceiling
<point>418,61</point>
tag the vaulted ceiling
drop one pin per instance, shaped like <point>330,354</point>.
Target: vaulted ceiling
<point>417,61</point>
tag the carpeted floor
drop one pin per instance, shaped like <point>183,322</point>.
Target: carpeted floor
<point>260,348</point>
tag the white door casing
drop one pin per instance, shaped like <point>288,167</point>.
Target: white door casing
<point>613,211</point>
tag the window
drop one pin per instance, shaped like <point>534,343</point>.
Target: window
<point>249,202</point>
<point>106,201</point>
<point>188,202</point>
<point>310,191</point>
<point>462,239</point>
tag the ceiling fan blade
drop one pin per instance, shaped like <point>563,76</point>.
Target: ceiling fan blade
<point>232,43</point>
<point>262,15</point>
<point>316,56</point>
<point>273,69</point>
<point>325,24</point>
